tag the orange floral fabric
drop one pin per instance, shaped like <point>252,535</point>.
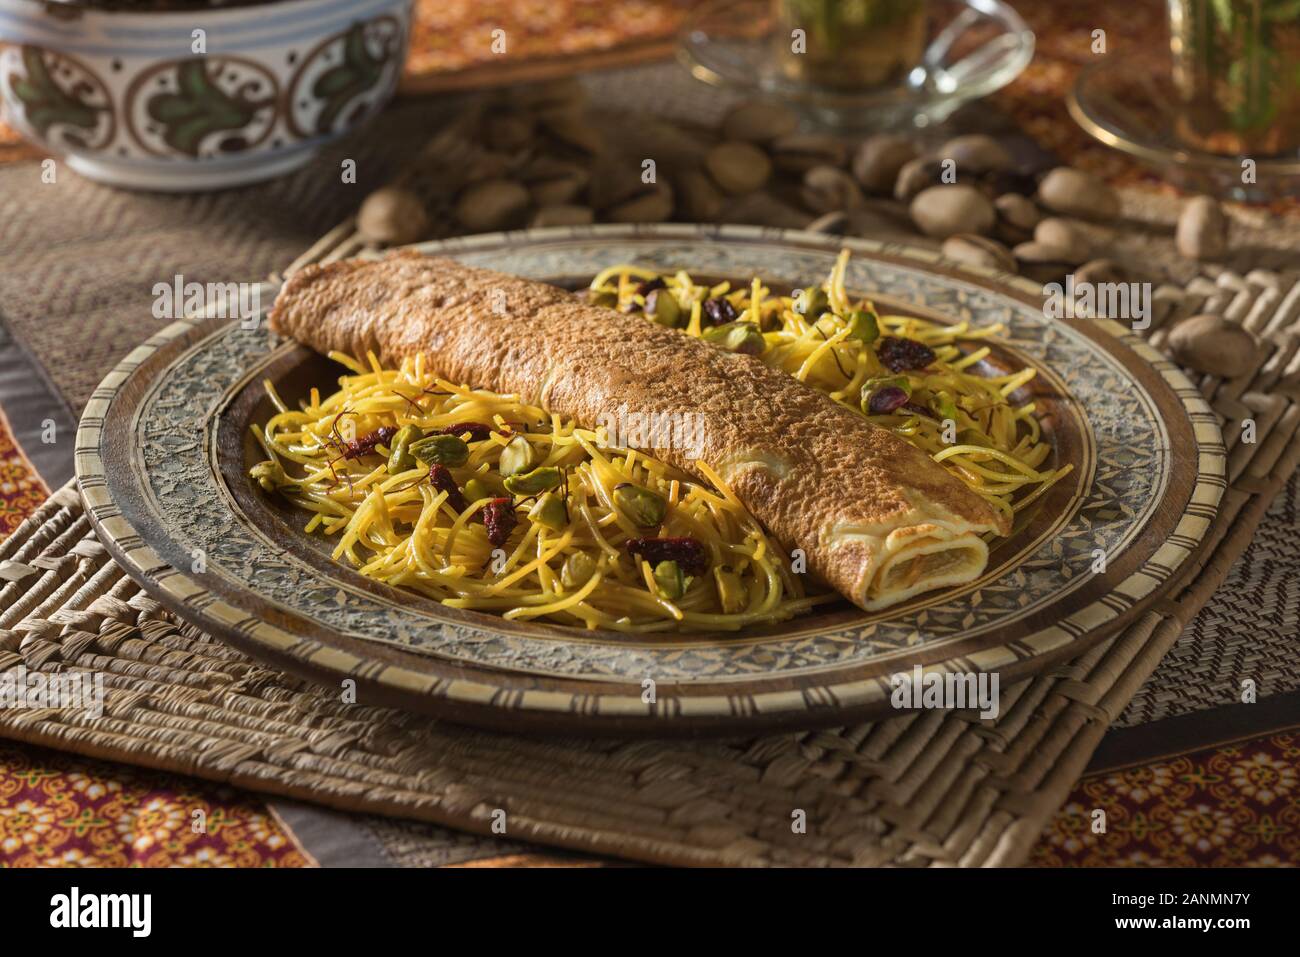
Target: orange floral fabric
<point>58,810</point>
<point>1223,807</point>
<point>21,489</point>
<point>452,35</point>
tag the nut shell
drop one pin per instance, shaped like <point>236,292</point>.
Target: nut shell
<point>878,160</point>
<point>1212,344</point>
<point>392,216</point>
<point>943,211</point>
<point>493,204</point>
<point>738,167</point>
<point>1072,192</point>
<point>1202,229</point>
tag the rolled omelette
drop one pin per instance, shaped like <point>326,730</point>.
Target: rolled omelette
<point>875,517</point>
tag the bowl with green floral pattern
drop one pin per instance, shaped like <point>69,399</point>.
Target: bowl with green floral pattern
<point>183,95</point>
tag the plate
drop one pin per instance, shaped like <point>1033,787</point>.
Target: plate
<point>163,448</point>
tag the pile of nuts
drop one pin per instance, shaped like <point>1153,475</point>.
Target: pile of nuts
<point>539,156</point>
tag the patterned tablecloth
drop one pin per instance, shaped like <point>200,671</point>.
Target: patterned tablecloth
<point>1238,804</point>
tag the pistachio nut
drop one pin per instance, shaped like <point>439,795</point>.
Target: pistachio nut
<point>885,394</point>
<point>1210,343</point>
<point>916,175</point>
<point>448,450</point>
<point>863,325</point>
<point>1065,236</point>
<point>531,483</point>
<point>1040,262</point>
<point>577,570</point>
<point>269,475</point>
<point>509,131</point>
<point>739,336</point>
<point>1019,212</point>
<point>701,200</point>
<point>550,512</point>
<point>476,489</point>
<point>731,590</point>
<point>944,405</point>
<point>835,223</point>
<point>812,303</point>
<point>669,580</point>
<point>558,190</point>
<point>644,508</point>
<point>661,306</point>
<point>762,209</point>
<point>1100,271</point>
<point>517,457</point>
<point>976,153</point>
<point>576,129</point>
<point>400,458</point>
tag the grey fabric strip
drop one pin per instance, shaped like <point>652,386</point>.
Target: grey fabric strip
<point>42,423</point>
<point>333,838</point>
<point>1195,731</point>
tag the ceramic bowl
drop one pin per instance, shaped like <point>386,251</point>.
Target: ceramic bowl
<point>196,99</point>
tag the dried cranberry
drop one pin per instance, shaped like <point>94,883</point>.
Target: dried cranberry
<point>366,444</point>
<point>650,285</point>
<point>440,478</point>
<point>500,520</point>
<point>886,400</point>
<point>717,311</point>
<point>478,431</point>
<point>687,552</point>
<point>902,355</point>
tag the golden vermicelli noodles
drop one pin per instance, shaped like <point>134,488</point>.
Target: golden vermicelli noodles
<point>964,421</point>
<point>570,567</point>
<point>484,502</point>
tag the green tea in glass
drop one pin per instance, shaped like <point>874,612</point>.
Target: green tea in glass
<point>1236,67</point>
<point>849,44</point>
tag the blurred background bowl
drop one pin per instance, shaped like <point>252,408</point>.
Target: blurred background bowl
<point>175,98</point>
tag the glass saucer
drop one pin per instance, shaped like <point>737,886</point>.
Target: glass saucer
<point>977,47</point>
<point>1130,103</point>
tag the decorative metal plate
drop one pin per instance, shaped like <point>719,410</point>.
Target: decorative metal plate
<point>163,448</point>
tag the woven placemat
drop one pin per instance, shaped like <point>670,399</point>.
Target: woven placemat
<point>916,789</point>
<point>921,788</point>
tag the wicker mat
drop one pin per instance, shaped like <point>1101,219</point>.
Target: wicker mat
<point>926,788</point>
